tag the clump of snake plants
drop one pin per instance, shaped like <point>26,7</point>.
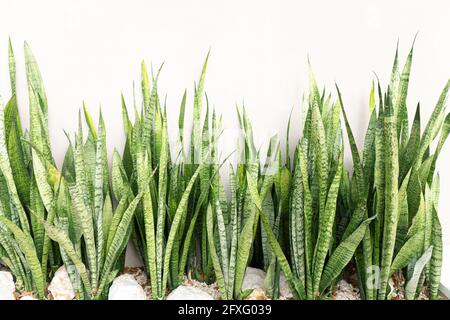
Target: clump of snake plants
<point>92,232</point>
<point>304,218</point>
<point>305,195</point>
<point>165,221</point>
<point>233,225</point>
<point>319,250</point>
<point>27,185</point>
<point>284,219</point>
<point>394,180</point>
<point>50,217</point>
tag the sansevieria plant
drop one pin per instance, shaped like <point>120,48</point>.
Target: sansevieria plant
<point>27,195</point>
<point>394,180</point>
<point>91,232</point>
<point>173,198</point>
<point>306,218</point>
<point>72,207</point>
<point>319,252</point>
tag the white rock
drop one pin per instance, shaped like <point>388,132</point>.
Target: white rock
<point>125,287</point>
<point>28,298</point>
<point>285,291</point>
<point>254,279</point>
<point>7,286</point>
<point>61,287</point>
<point>188,293</point>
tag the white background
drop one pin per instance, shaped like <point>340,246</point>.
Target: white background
<point>91,50</point>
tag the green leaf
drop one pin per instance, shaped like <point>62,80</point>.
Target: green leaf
<point>432,125</point>
<point>26,244</point>
<point>400,108</point>
<point>391,196</point>
<point>326,223</point>
<point>215,258</point>
<point>12,67</point>
<point>18,213</point>
<point>411,286</point>
<point>342,255</point>
<point>118,243</point>
<point>281,258</point>
<point>63,240</point>
<point>436,258</point>
<point>181,211</point>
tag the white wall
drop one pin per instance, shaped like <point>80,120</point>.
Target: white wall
<point>91,50</point>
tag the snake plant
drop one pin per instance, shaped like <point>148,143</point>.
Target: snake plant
<point>91,232</point>
<point>305,218</point>
<point>173,199</point>
<point>394,180</point>
<point>232,226</point>
<point>319,252</point>
<point>27,194</point>
<point>72,207</point>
